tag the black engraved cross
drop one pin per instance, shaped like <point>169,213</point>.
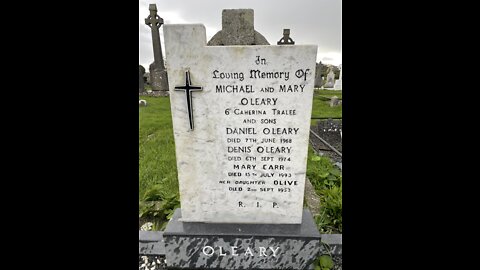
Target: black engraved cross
<point>187,88</point>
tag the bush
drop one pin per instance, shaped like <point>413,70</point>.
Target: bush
<point>159,203</point>
<point>327,181</point>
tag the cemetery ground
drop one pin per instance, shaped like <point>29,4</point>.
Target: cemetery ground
<point>321,107</point>
<point>158,183</point>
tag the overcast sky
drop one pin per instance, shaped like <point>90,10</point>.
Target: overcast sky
<point>317,22</point>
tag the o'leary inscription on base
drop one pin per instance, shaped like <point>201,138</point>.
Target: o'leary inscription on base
<point>245,160</point>
<point>241,253</point>
<point>241,246</point>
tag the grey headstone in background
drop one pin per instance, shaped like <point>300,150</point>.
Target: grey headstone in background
<point>237,29</point>
<point>147,77</point>
<point>141,80</point>
<point>158,73</point>
<point>338,83</point>
<point>334,101</point>
<point>318,75</point>
<point>330,79</point>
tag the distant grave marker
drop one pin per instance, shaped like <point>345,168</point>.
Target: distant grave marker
<point>237,29</point>
<point>141,80</point>
<point>330,79</point>
<point>158,73</point>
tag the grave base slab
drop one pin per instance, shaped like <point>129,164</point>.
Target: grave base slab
<point>197,245</point>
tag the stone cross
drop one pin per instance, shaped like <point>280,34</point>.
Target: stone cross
<point>187,88</point>
<point>154,22</point>
<point>286,40</point>
<point>158,74</point>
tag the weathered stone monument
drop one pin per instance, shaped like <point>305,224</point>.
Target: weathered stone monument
<point>237,29</point>
<point>330,79</point>
<point>147,78</point>
<point>141,80</point>
<point>286,39</point>
<point>318,75</point>
<point>338,83</point>
<point>334,101</point>
<point>241,121</point>
<point>158,74</point>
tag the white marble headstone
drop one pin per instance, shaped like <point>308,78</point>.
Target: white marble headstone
<point>245,159</point>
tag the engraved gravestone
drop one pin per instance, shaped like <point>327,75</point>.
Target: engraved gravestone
<point>241,121</point>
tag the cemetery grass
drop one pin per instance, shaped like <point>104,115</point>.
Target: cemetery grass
<point>321,105</point>
<point>328,93</point>
<point>158,183</point>
<point>326,179</point>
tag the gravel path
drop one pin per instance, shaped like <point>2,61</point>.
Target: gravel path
<point>152,262</point>
<point>332,137</point>
<point>337,262</point>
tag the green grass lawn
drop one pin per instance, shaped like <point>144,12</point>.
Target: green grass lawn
<point>328,93</point>
<point>156,145</point>
<point>321,104</point>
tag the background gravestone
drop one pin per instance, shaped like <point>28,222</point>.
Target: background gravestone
<point>334,101</point>
<point>338,83</point>
<point>241,124</point>
<point>158,74</point>
<point>318,75</point>
<point>141,80</point>
<point>147,78</point>
<point>330,79</point>
<point>237,29</point>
